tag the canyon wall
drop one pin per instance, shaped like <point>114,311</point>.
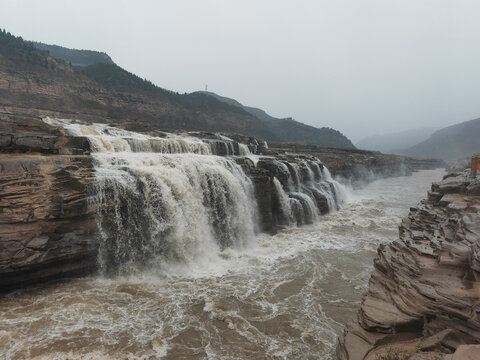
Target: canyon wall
<point>423,296</point>
<point>359,166</point>
<point>57,181</point>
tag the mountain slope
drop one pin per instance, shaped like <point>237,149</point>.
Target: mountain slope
<point>289,130</point>
<point>396,143</point>
<point>42,79</point>
<point>74,56</point>
<point>450,143</point>
<point>36,82</point>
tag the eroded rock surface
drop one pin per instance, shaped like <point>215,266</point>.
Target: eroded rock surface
<point>424,292</point>
<point>48,225</point>
<point>359,166</point>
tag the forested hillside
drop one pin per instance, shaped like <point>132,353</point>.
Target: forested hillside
<point>87,84</point>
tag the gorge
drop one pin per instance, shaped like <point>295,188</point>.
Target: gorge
<point>95,195</point>
<point>171,231</point>
<point>142,219</point>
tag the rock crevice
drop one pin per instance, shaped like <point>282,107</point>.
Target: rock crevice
<point>424,292</point>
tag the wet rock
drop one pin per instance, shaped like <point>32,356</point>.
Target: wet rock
<point>358,166</point>
<point>430,356</point>
<point>45,221</point>
<point>474,187</point>
<point>426,283</point>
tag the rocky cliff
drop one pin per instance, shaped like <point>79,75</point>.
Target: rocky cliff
<point>39,78</point>
<point>423,296</point>
<point>359,166</point>
<point>49,219</point>
<point>45,223</point>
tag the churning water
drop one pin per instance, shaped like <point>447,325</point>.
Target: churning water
<point>281,297</point>
<point>192,279</point>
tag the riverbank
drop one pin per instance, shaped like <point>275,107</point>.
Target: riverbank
<point>423,293</point>
<point>285,296</point>
<point>49,186</point>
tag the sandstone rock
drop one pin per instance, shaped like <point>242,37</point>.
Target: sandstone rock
<point>426,283</point>
<point>46,225</point>
<point>467,352</point>
<point>430,356</point>
<point>358,166</point>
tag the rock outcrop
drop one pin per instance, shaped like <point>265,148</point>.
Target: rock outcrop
<point>45,223</point>
<point>359,166</point>
<point>423,297</point>
<point>48,222</point>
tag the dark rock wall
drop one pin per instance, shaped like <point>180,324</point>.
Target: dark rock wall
<point>45,222</point>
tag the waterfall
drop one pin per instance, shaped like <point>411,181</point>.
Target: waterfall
<point>286,215</point>
<point>166,199</point>
<point>304,189</point>
<point>181,207</point>
<point>340,191</point>
<point>183,198</point>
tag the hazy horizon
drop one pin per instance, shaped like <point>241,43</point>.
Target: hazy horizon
<point>362,67</point>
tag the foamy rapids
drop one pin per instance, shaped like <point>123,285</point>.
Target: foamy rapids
<point>214,289</point>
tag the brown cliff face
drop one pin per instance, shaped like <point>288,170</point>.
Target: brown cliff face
<point>48,226</point>
<point>359,166</point>
<point>61,91</point>
<point>45,222</point>
<point>423,294</point>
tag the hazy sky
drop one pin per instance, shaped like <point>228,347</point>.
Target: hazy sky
<point>360,66</point>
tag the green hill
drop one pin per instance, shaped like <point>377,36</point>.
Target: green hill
<point>288,130</point>
<point>43,78</point>
<point>74,56</point>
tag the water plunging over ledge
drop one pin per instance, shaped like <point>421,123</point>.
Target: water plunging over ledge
<point>285,296</point>
<point>171,198</point>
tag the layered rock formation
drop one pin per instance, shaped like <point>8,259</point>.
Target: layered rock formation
<point>359,166</point>
<point>45,224</point>
<point>423,297</point>
<point>49,222</point>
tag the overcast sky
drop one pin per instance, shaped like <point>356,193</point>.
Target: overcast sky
<point>360,66</point>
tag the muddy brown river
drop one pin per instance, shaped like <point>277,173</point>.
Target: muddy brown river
<point>283,297</point>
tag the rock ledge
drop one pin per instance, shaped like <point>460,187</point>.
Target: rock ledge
<point>423,300</point>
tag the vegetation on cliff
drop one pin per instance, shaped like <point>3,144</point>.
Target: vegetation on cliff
<point>74,56</point>
<point>112,75</point>
<point>16,49</point>
<point>290,130</point>
<point>99,88</point>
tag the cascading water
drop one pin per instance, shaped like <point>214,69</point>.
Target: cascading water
<point>168,198</point>
<point>286,297</point>
<point>177,207</point>
<point>304,190</point>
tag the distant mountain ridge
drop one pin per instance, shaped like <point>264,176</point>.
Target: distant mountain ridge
<point>290,130</point>
<point>450,143</point>
<point>74,56</point>
<point>396,143</point>
<point>51,79</point>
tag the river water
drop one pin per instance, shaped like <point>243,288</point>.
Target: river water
<point>281,297</point>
